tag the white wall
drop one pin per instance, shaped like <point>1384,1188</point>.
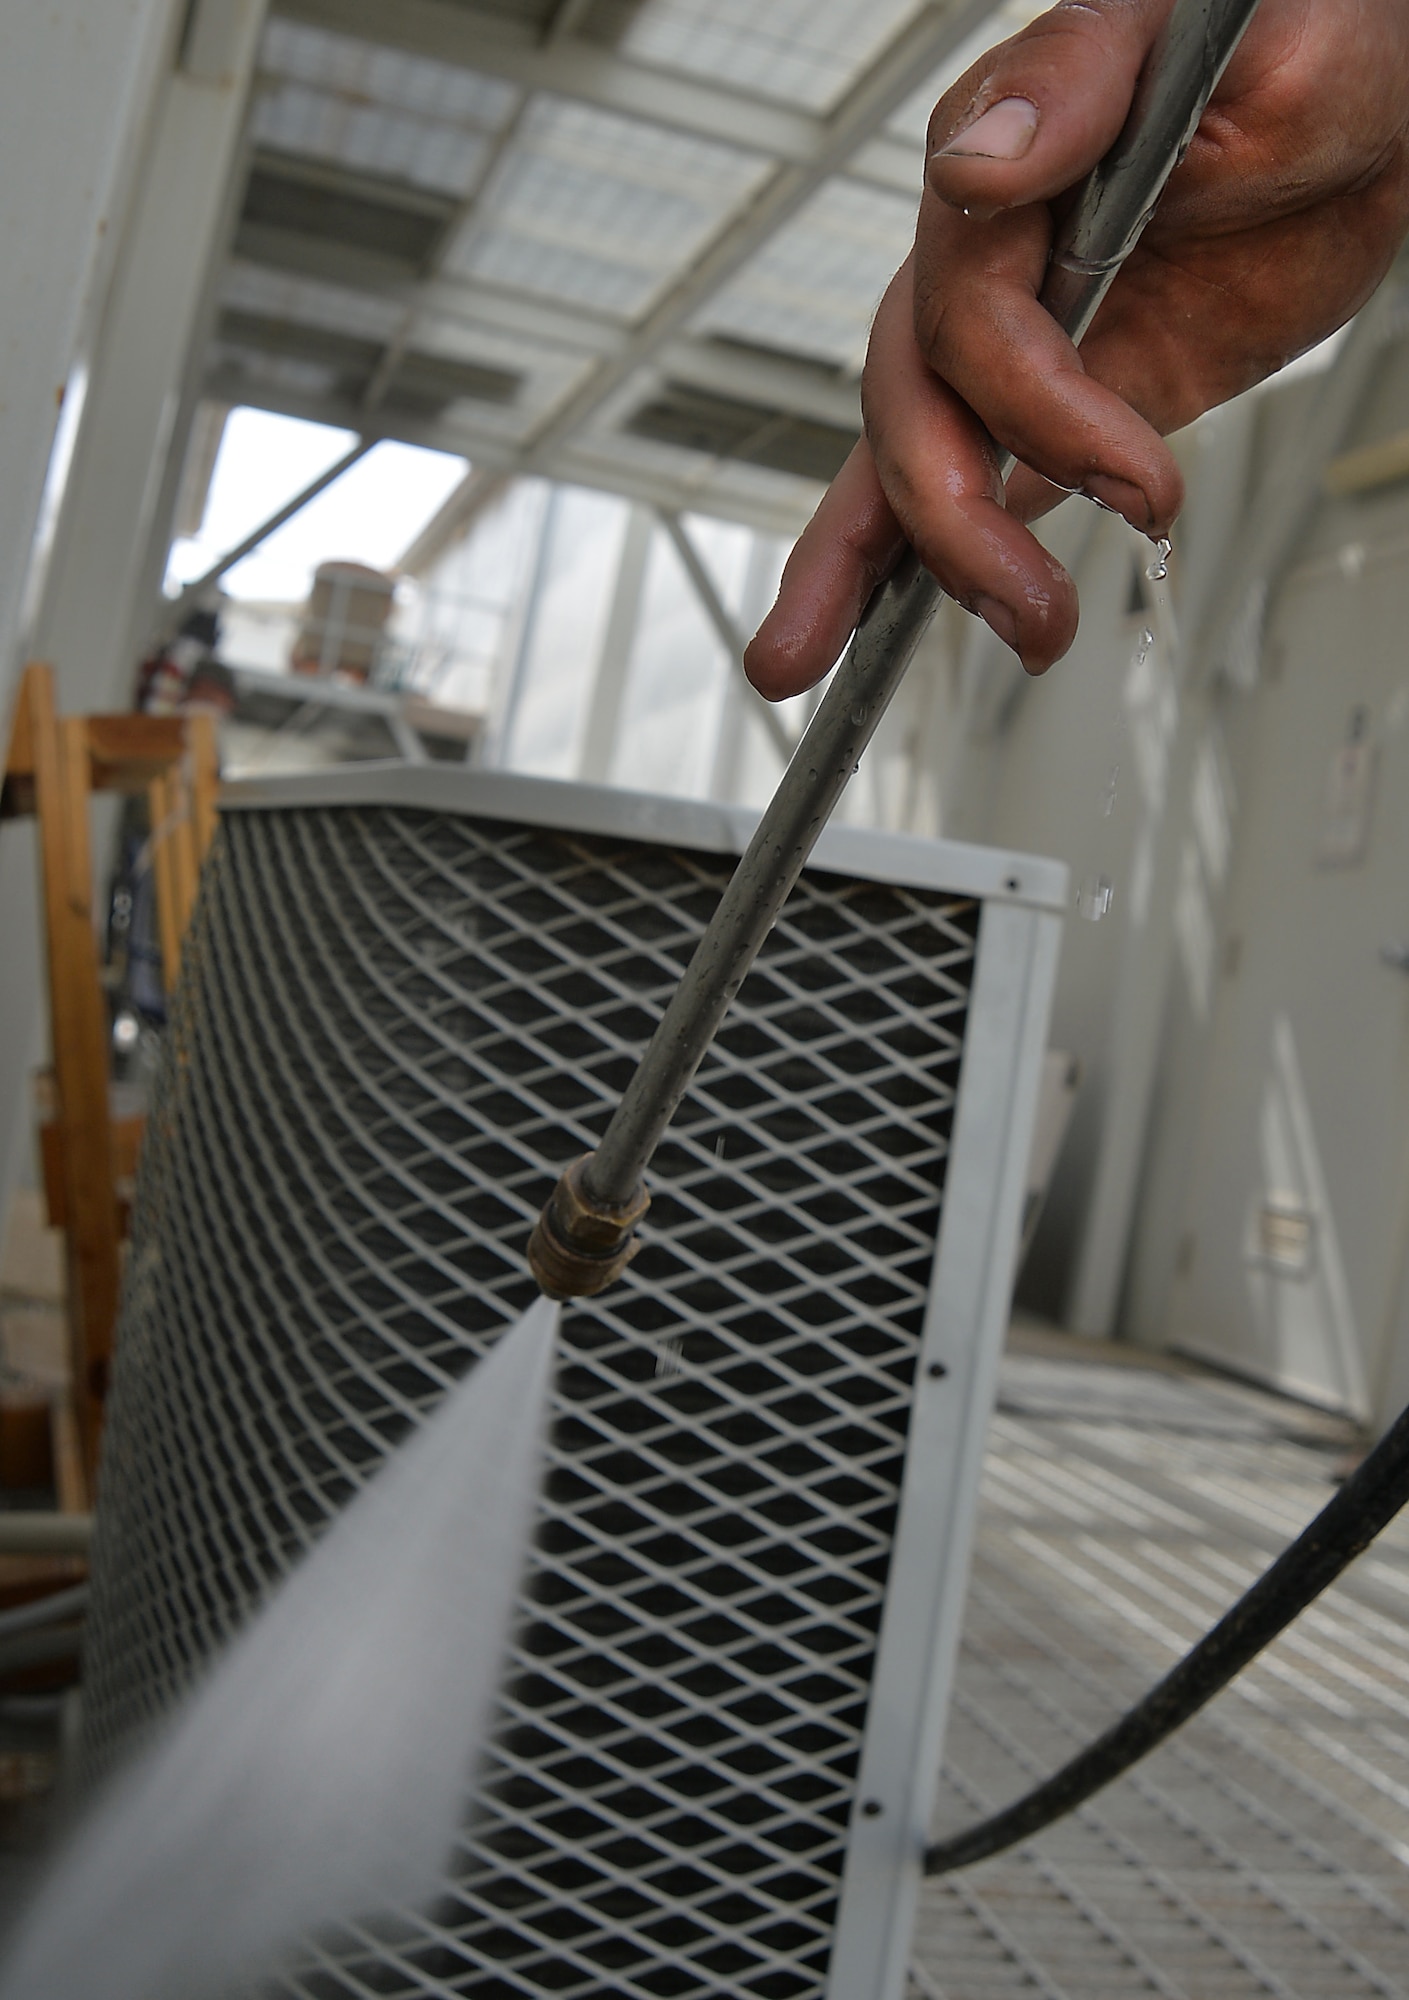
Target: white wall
<point>1301,1024</point>
<point>77,85</point>
<point>1039,764</point>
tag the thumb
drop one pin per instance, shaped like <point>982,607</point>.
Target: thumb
<point>1035,114</point>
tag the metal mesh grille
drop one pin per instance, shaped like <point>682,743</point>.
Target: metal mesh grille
<point>394,1029</point>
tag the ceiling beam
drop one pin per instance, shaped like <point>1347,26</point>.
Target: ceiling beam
<point>888,82</point>
<point>791,388</point>
<point>773,503</point>
<point>791,384</point>
<point>733,639</point>
<point>192,595</point>
<point>477,492</point>
<point>585,73</point>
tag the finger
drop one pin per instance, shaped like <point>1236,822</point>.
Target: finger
<point>1035,114</point>
<point>940,474</point>
<point>851,543</point>
<point>981,328</point>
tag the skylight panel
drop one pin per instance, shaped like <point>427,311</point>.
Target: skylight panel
<point>814,287</point>
<point>255,288</point>
<point>342,65</point>
<point>803,52</point>
<point>427,152</point>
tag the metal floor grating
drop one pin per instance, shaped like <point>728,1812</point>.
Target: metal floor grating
<point>393,1029</point>
<point>1265,1850</point>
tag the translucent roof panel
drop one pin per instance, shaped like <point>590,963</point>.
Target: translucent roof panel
<point>375,75</point>
<point>814,288</point>
<point>274,375</point>
<point>548,373</point>
<point>499,236</point>
<point>328,97</point>
<point>600,210</point>
<point>270,294</point>
<point>802,52</point>
<point>283,299</point>
<point>320,126</point>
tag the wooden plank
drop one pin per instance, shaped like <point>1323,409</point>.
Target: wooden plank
<point>181,839</point>
<point>164,877</point>
<point>80,1046</point>
<point>126,1151</point>
<point>19,756</point>
<point>128,751</point>
<point>82,1074</point>
<point>17,787</point>
<point>51,1164</point>
<point>26,1446</point>
<point>71,1486</point>
<point>204,744</point>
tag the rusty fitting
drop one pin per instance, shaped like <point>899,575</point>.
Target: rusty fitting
<point>580,1246</point>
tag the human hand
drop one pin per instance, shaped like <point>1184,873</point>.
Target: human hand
<point>1274,231</point>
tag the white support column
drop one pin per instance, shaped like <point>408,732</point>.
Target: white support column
<point>741,704</point>
<point>76,91</point>
<point>100,544</point>
<point>731,634</point>
<point>609,688</point>
<point>186,103</point>
<point>76,88</point>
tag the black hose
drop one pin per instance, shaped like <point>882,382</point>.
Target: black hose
<point>1344,1529</point>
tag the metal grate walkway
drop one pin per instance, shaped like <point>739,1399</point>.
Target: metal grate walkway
<point>1265,1850</point>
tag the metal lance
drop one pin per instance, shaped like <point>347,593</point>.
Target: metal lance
<point>587,1233</point>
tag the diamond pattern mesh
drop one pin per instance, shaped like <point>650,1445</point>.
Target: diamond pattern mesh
<point>394,1029</point>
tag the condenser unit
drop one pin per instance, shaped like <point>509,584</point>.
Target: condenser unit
<point>411,996</point>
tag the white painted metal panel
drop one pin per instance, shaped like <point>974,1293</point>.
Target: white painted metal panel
<point>1298,1191</point>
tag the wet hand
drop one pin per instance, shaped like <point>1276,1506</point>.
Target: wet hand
<point>1274,231</point>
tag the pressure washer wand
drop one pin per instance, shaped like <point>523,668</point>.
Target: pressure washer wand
<point>586,1234</point>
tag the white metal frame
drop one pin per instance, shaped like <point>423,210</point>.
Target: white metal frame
<point>970,1291</point>
<point>1018,880</point>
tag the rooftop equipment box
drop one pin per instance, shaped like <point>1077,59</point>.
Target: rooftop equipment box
<point>410,997</point>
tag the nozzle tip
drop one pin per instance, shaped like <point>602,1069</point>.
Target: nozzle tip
<point>580,1246</point>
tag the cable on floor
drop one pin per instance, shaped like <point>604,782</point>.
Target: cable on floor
<point>1343,1530</point>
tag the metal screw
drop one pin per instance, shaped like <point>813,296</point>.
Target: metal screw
<point>873,1809</point>
<point>937,1371</point>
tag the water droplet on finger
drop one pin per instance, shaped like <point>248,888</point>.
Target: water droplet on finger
<point>1159,566</point>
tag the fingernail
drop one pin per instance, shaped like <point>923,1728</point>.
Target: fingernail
<point>1122,497</point>
<point>999,619</point>
<point>1004,132</point>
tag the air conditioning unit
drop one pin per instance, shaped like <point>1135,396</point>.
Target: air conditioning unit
<point>410,997</point>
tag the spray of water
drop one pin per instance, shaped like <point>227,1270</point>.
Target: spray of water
<point>319,1771</point>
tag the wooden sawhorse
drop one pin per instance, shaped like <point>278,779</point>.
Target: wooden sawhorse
<point>53,767</point>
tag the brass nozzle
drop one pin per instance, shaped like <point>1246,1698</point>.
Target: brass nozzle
<point>580,1246</point>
